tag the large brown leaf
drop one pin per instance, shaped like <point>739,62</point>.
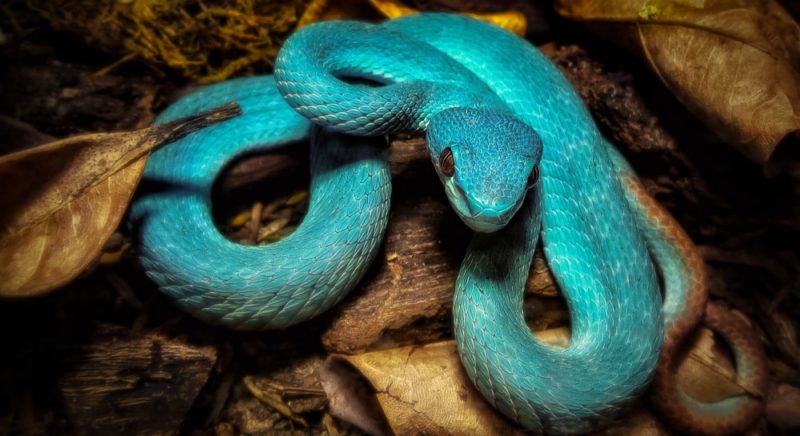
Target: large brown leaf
<point>734,63</point>
<point>62,200</point>
<point>425,390</point>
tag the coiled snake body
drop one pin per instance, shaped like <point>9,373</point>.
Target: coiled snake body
<point>492,106</point>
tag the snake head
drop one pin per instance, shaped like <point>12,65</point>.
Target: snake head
<point>487,160</point>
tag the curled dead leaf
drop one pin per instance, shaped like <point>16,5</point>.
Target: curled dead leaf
<point>734,64</point>
<point>424,390</point>
<point>62,200</point>
<point>351,398</point>
<point>707,373</point>
<point>420,390</point>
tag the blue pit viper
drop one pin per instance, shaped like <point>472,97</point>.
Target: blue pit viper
<point>518,154</point>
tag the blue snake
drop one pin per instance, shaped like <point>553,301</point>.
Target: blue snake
<point>518,155</point>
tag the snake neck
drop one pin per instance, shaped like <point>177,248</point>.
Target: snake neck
<point>316,69</point>
<point>597,255</point>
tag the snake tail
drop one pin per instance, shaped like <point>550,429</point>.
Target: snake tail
<point>686,305</point>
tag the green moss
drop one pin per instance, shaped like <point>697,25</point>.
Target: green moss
<point>649,11</point>
<point>203,40</point>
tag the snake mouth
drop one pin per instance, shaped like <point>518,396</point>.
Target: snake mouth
<point>490,220</point>
<point>479,219</point>
<point>483,225</point>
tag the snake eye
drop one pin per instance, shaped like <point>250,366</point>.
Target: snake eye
<point>533,177</point>
<point>446,163</point>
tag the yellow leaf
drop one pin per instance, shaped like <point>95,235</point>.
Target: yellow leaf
<point>319,10</point>
<point>61,201</point>
<point>735,64</point>
<point>297,198</point>
<point>241,218</point>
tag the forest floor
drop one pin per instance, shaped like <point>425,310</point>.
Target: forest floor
<point>109,353</point>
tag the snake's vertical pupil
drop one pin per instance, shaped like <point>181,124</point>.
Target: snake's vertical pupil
<point>446,163</point>
<point>533,177</point>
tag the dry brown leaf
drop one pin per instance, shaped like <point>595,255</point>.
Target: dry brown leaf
<point>707,373</point>
<point>424,390</point>
<point>735,64</point>
<point>62,200</point>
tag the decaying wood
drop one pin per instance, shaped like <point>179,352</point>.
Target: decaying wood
<point>124,383</point>
<point>19,136</point>
<point>62,98</point>
<point>413,275</point>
